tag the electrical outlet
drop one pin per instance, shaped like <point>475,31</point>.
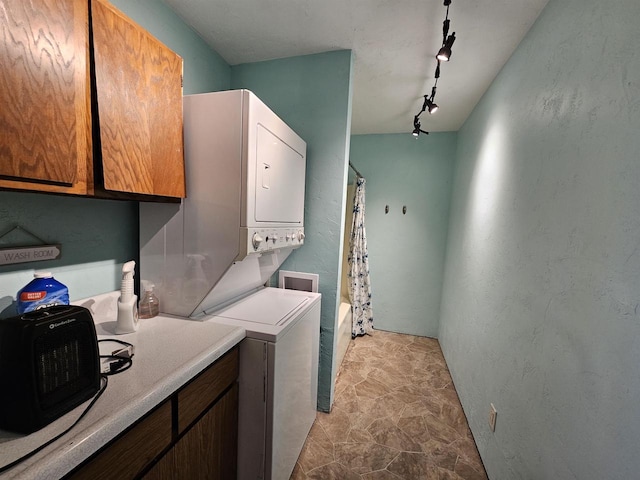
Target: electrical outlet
<point>493,413</point>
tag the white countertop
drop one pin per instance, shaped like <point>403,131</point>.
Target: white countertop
<point>169,351</point>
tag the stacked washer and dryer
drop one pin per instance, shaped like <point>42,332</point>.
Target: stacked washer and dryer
<point>210,256</point>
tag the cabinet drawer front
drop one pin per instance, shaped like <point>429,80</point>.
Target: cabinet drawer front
<point>132,452</point>
<point>203,390</point>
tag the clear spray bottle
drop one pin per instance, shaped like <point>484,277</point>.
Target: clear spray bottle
<point>149,305</point>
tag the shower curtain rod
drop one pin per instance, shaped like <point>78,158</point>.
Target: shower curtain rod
<point>358,174</point>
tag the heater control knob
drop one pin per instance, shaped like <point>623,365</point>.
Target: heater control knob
<point>257,240</point>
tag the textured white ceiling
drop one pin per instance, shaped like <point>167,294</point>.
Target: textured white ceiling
<point>394,43</point>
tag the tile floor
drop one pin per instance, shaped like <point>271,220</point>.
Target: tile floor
<point>396,415</point>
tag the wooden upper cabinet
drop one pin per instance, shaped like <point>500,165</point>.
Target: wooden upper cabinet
<point>44,95</point>
<point>138,84</point>
<point>90,103</point>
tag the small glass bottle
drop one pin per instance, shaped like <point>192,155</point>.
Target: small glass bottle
<point>149,305</point>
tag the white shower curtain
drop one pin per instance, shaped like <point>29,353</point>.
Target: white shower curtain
<point>359,281</point>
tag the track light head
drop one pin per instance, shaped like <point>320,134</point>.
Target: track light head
<point>431,106</point>
<point>428,106</point>
<point>416,127</point>
<point>445,52</point>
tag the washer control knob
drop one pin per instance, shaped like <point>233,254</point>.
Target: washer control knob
<point>274,237</point>
<point>300,236</point>
<point>256,241</point>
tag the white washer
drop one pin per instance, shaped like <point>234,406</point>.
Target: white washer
<point>210,256</point>
<point>278,378</point>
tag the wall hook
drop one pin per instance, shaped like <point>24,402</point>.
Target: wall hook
<point>386,209</point>
<point>404,209</point>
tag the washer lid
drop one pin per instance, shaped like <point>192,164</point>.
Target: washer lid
<point>270,306</point>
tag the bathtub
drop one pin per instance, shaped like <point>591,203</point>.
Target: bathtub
<point>344,330</point>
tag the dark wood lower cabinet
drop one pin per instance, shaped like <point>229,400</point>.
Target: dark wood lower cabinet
<point>204,446</point>
<point>205,451</point>
<point>129,456</point>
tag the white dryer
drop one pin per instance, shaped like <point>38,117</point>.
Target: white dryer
<point>278,378</point>
<point>210,257</point>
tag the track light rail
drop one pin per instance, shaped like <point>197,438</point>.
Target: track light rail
<point>444,54</point>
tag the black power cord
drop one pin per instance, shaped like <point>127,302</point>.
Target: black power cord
<point>103,387</point>
<point>120,361</point>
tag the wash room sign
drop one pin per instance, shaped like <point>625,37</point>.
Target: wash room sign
<point>10,255</point>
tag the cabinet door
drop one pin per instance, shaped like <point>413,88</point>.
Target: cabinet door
<point>196,397</point>
<point>44,95</point>
<point>132,452</point>
<point>209,448</point>
<point>138,84</point>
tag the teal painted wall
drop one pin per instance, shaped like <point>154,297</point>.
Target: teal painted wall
<point>406,252</point>
<point>204,69</point>
<point>98,236</point>
<point>312,94</point>
<point>540,310</point>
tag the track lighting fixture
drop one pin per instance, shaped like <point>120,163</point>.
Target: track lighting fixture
<point>432,107</point>
<point>444,54</point>
<point>429,105</point>
<point>416,127</point>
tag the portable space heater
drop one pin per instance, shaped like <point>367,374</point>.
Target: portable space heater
<point>49,364</point>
